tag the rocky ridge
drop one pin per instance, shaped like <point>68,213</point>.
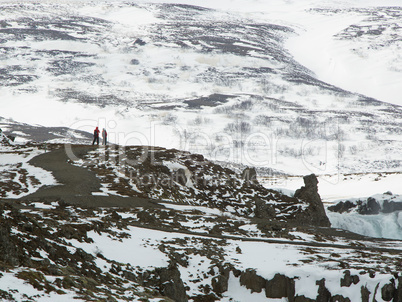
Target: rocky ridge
<point>49,244</point>
<point>181,177</point>
<point>380,203</point>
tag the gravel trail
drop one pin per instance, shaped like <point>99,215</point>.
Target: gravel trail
<point>76,184</point>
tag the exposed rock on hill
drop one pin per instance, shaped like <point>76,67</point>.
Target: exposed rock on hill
<point>204,237</point>
<point>382,203</point>
<point>315,213</point>
<point>181,177</point>
<point>34,133</point>
<point>4,139</point>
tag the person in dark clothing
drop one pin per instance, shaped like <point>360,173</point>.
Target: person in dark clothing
<point>96,136</point>
<point>104,137</point>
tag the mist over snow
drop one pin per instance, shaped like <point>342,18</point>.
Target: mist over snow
<point>294,86</point>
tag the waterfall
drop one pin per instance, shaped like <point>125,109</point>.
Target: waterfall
<point>383,225</point>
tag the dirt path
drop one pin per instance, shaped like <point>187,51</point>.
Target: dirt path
<point>76,184</point>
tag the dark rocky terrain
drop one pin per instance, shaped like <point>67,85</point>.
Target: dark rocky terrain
<point>44,234</point>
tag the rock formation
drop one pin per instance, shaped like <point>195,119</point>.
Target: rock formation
<point>315,213</point>
<point>386,203</point>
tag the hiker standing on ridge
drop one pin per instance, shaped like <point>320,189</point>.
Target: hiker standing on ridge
<point>96,136</point>
<point>104,137</point>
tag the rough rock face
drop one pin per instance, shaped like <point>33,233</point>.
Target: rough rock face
<point>249,175</point>
<point>349,279</point>
<point>372,207</point>
<point>252,281</point>
<point>171,284</point>
<point>280,286</point>
<point>8,253</point>
<point>385,203</point>
<point>315,213</point>
<point>342,206</point>
<point>5,140</point>
<point>181,177</point>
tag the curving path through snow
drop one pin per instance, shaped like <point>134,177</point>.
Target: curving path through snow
<point>77,185</point>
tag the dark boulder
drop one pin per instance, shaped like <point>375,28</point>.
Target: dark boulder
<point>324,294</point>
<point>349,279</point>
<point>170,283</point>
<point>180,176</point>
<point>134,62</point>
<point>220,284</point>
<point>391,206</point>
<point>252,281</point>
<point>280,287</point>
<point>371,207</point>
<point>365,293</point>
<point>388,291</point>
<point>342,207</point>
<point>8,250</point>
<point>263,210</point>
<point>315,213</point>
<point>139,42</point>
<point>339,298</point>
<point>249,175</point>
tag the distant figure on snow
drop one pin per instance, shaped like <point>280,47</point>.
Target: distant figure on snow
<point>104,137</point>
<point>96,136</point>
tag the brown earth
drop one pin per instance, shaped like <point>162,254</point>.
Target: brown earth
<point>76,184</point>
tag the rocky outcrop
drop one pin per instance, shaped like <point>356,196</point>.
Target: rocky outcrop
<point>8,252</point>
<point>386,203</point>
<point>170,283</point>
<point>371,207</point>
<point>323,293</point>
<point>342,206</point>
<point>388,291</point>
<point>349,279</point>
<point>181,177</point>
<point>249,175</point>
<point>6,140</point>
<point>315,213</point>
<point>391,206</point>
<point>252,281</point>
<point>365,294</point>
<point>220,283</point>
<point>280,287</point>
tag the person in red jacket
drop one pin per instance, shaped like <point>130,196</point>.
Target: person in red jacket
<point>96,136</point>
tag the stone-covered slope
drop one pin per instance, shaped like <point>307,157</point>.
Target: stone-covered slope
<point>191,246</point>
<point>180,177</point>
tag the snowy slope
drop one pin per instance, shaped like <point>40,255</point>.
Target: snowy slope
<point>88,254</point>
<point>17,177</point>
<point>260,84</point>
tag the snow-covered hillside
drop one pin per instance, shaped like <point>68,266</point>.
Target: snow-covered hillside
<point>95,232</point>
<point>296,87</point>
<point>194,93</point>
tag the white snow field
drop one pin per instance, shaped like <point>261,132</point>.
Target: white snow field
<point>289,85</point>
<point>298,87</point>
<point>18,178</point>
